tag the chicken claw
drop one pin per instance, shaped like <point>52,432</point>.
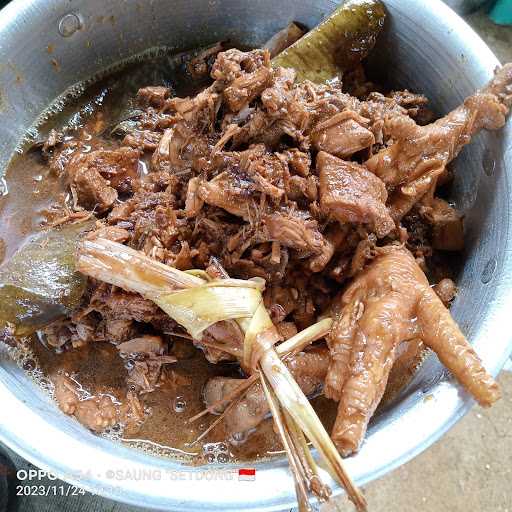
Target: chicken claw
<point>388,303</point>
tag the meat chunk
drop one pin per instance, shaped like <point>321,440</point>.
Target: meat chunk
<point>119,166</point>
<point>122,305</point>
<point>390,302</point>
<point>350,193</point>
<point>249,174</point>
<point>93,190</point>
<point>118,330</point>
<point>275,99</point>
<point>299,188</point>
<point>193,203</point>
<point>114,233</point>
<point>226,333</point>
<point>58,334</point>
<point>232,63</point>
<point>143,345</point>
<point>145,140</point>
<point>146,374</point>
<point>267,169</point>
<point>197,113</point>
<point>246,88</point>
<point>299,162</point>
<point>447,226</point>
<point>230,191</point>
<point>154,96</point>
<point>76,331</point>
<point>98,176</point>
<point>415,104</point>
<point>343,134</point>
<point>168,155</point>
<point>296,230</point>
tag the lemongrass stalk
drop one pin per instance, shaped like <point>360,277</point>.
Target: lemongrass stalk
<point>297,405</point>
<point>259,322</point>
<point>298,476</point>
<point>293,400</point>
<point>305,337</point>
<point>129,269</point>
<point>321,490</point>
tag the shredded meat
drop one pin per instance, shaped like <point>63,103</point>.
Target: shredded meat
<point>146,374</point>
<point>119,167</point>
<point>296,230</point>
<point>124,306</point>
<point>93,191</point>
<point>143,345</point>
<point>154,96</point>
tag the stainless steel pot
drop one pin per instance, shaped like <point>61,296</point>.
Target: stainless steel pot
<point>47,45</point>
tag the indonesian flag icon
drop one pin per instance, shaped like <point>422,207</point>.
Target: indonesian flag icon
<point>247,474</point>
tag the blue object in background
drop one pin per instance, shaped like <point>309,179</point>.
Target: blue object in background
<point>501,13</point>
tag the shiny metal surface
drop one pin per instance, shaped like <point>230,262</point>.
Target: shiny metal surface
<point>465,6</point>
<point>426,48</point>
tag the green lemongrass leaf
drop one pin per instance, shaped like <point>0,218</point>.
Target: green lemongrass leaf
<point>338,43</point>
<point>199,307</point>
